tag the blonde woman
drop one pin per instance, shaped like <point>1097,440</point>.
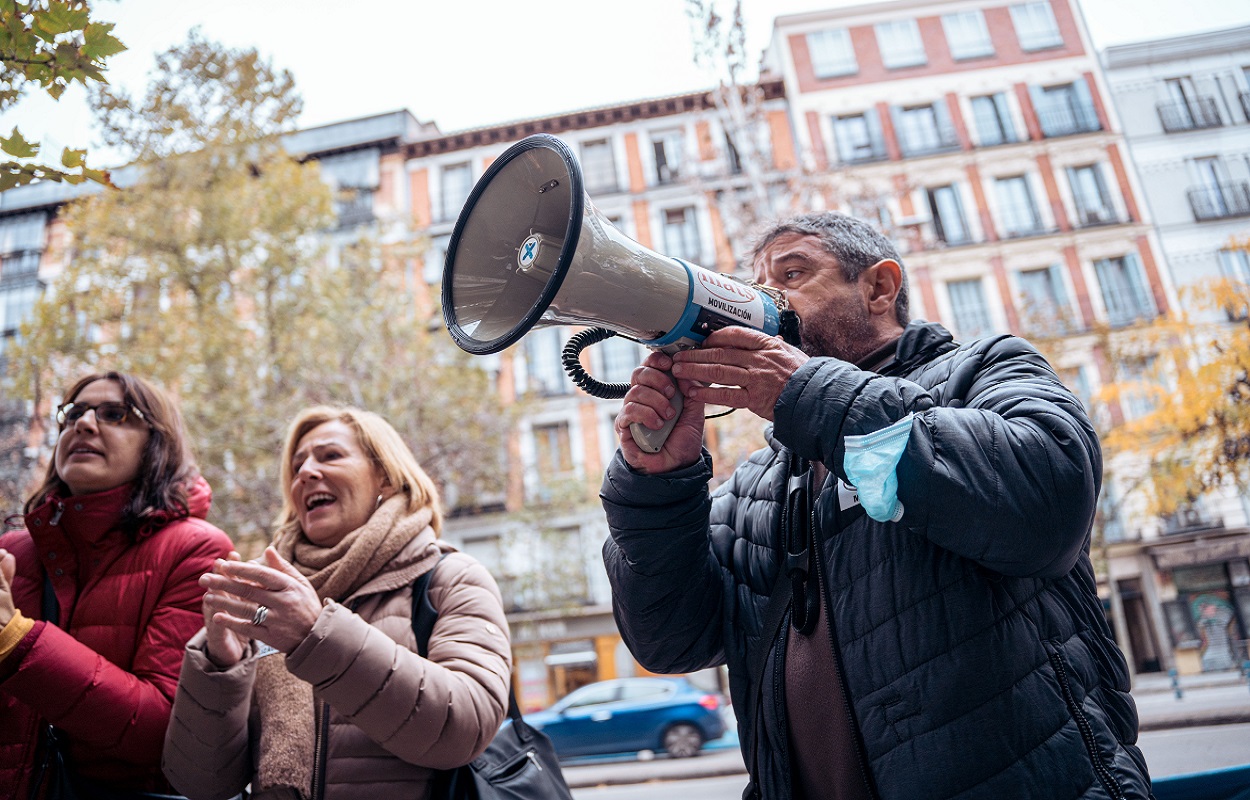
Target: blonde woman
<point>305,680</point>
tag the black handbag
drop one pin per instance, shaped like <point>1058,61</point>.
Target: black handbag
<point>519,764</point>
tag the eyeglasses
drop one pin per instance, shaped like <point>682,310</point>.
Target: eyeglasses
<point>108,413</point>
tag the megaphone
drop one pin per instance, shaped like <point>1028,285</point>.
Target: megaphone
<point>530,250</point>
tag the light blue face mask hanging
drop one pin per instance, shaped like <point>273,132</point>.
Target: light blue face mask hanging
<point>871,464</point>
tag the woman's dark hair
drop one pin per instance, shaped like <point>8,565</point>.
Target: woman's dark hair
<point>167,466</point>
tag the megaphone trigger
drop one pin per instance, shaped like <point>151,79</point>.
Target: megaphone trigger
<point>652,441</point>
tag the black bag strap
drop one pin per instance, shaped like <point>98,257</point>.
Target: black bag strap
<point>423,617</point>
<point>797,541</point>
<point>50,607</point>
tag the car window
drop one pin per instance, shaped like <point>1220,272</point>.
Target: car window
<point>593,696</point>
<point>646,692</point>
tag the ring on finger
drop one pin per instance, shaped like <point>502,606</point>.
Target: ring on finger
<point>262,613</point>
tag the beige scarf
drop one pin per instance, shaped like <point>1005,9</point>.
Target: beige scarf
<point>285,703</point>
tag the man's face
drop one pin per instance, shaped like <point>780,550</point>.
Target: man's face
<point>833,311</point>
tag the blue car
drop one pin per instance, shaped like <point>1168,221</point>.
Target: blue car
<point>632,714</point>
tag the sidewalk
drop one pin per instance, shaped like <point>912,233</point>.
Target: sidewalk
<point>1212,698</point>
<point>1218,698</point>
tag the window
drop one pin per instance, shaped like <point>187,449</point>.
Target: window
<point>542,360</point>
<point>1185,109</point>
<point>669,150</point>
<point>925,129</point>
<point>1214,196</point>
<point>681,234</point>
<point>17,300</point>
<point>354,178</point>
<point>21,246</point>
<point>832,53</point>
<point>993,120</point>
<point>1035,26</point>
<point>619,358</point>
<point>1235,265</point>
<point>1125,292</point>
<point>966,35</point>
<point>1043,301</point>
<point>1065,109</point>
<point>948,215</point>
<point>858,138</point>
<point>972,318</point>
<point>457,183</point>
<point>1142,384</point>
<point>552,452</point>
<point>1089,193</point>
<point>1016,209</point>
<point>900,44</point>
<point>599,166</point>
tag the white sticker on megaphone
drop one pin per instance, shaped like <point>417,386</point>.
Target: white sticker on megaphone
<point>727,297</point>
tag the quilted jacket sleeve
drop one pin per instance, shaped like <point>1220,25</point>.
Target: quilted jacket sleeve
<point>207,753</point>
<point>666,585</point>
<point>121,714</point>
<point>1002,466</point>
<point>439,712</point>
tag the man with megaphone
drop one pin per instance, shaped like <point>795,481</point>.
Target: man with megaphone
<point>900,582</point>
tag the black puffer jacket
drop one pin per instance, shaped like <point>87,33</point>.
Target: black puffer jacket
<point>974,649</point>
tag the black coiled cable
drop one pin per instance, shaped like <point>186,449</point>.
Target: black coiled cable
<point>571,359</point>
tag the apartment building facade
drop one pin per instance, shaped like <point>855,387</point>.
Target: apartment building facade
<point>1185,105</point>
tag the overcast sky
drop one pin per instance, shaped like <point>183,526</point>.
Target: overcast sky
<point>467,63</point>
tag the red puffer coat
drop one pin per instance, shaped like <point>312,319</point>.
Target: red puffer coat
<point>106,677</point>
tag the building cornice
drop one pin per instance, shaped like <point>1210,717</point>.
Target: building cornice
<point>600,116</point>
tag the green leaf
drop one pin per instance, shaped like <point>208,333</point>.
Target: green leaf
<point>17,146</point>
<point>99,42</point>
<point>101,176</point>
<point>60,18</point>
<point>71,158</point>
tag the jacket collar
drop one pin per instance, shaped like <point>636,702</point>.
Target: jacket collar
<point>93,516</point>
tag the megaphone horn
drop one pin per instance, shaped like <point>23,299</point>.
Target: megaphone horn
<point>530,250</point>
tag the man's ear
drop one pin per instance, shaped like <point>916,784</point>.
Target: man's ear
<point>885,278</point>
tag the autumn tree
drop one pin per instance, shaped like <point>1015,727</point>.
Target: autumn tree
<point>1189,372</point>
<point>49,45</point>
<point>213,274</point>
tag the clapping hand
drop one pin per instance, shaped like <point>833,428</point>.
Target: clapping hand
<point>271,602</point>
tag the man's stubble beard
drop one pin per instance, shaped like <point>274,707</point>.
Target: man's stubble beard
<point>847,336</point>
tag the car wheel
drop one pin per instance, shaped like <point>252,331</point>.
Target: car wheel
<point>683,740</point>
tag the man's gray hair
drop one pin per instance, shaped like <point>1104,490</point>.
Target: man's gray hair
<point>855,243</point>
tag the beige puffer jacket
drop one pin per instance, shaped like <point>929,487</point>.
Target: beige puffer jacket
<point>395,717</point>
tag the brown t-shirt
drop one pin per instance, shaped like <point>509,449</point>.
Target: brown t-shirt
<point>823,761</point>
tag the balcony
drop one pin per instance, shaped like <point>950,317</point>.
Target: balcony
<point>354,208</point>
<point>927,141</point>
<point>1244,97</point>
<point>1094,215</point>
<point>1221,201</point>
<point>1068,121</point>
<point>1189,115</point>
<point>1188,519</point>
<point>1020,221</point>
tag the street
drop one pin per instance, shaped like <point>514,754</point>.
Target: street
<point>1168,752</point>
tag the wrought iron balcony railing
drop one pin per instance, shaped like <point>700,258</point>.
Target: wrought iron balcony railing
<point>1189,115</point>
<point>1220,201</point>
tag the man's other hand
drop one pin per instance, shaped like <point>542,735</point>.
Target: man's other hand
<point>740,368</point>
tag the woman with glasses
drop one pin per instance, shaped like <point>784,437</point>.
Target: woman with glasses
<point>99,594</point>
<point>305,681</point>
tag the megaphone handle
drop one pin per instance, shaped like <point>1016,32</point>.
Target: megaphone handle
<point>650,441</point>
